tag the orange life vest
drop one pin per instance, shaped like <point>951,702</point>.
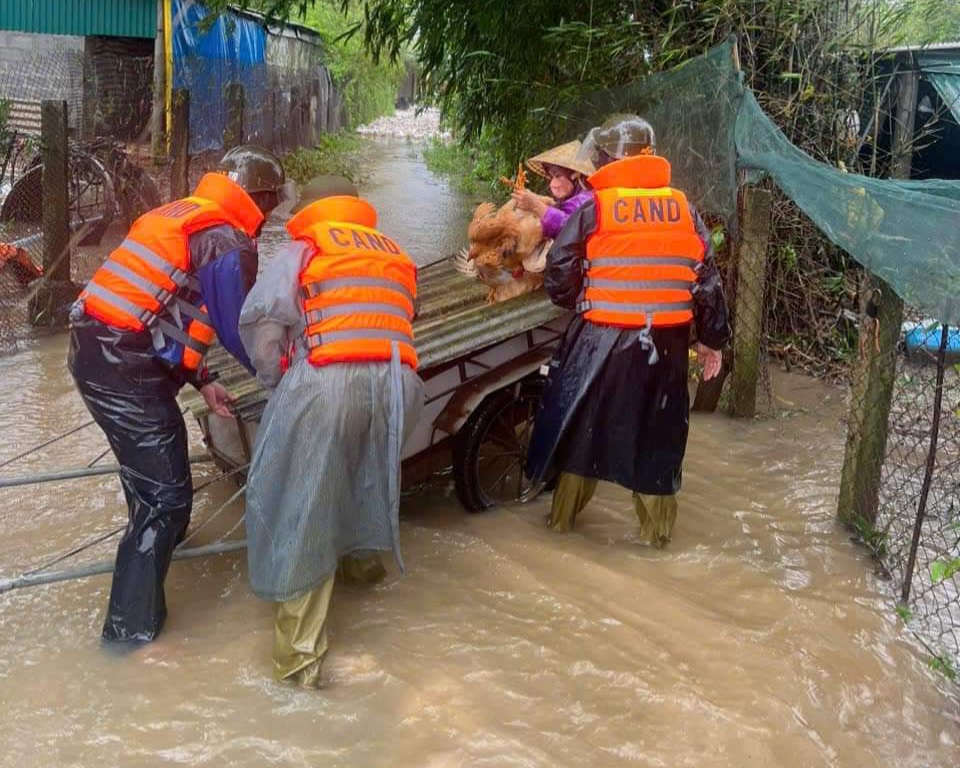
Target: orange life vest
<point>358,288</point>
<point>151,270</point>
<point>643,259</point>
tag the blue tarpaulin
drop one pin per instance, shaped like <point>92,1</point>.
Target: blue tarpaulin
<point>210,54</point>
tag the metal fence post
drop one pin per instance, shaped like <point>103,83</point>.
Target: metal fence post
<point>928,469</point>
<point>55,290</point>
<point>233,130</point>
<point>180,145</point>
<point>751,279</point>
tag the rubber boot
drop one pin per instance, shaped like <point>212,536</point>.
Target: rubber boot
<point>572,495</point>
<point>657,516</point>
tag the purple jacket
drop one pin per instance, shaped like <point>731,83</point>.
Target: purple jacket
<point>557,215</point>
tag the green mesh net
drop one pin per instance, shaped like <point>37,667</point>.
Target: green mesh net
<point>693,109</point>
<point>709,125</point>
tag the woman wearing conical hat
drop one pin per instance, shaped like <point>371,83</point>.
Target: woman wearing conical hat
<point>567,176</point>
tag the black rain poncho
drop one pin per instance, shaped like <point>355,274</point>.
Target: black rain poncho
<point>607,412</point>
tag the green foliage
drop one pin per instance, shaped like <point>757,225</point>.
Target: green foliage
<point>872,537</point>
<point>368,88</point>
<point>718,237</point>
<point>4,121</point>
<point>461,164</point>
<point>923,22</point>
<point>945,666</point>
<point>942,570</point>
<point>473,167</point>
<point>510,67</point>
<point>904,613</point>
<point>335,155</point>
<point>788,256</point>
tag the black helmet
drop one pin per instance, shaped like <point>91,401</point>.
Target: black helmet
<point>620,136</point>
<point>259,172</point>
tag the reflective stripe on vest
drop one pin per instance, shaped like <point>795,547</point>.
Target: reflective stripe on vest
<point>314,317</point>
<point>636,285</point>
<point>171,331</point>
<point>150,288</point>
<point>358,287</point>
<point>141,314</point>
<point>315,289</point>
<point>157,262</point>
<point>358,308</point>
<point>642,310</point>
<point>641,263</point>
<point>356,334</point>
<point>155,291</point>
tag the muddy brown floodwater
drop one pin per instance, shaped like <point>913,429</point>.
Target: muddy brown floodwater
<point>760,637</point>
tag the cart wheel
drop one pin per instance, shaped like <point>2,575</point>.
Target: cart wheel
<point>90,193</point>
<point>490,451</point>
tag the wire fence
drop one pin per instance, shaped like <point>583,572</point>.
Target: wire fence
<point>282,104</point>
<point>917,530</point>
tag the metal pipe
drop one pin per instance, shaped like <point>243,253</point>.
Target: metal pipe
<point>95,569</point>
<point>928,470</point>
<point>72,474</point>
<point>44,444</point>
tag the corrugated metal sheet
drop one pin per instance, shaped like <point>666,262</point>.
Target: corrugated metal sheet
<point>454,320</point>
<point>942,69</point>
<point>117,18</point>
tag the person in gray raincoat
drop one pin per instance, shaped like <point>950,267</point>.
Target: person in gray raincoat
<point>636,265</point>
<point>328,328</point>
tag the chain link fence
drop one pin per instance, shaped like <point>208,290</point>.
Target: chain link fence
<point>282,103</point>
<point>916,535</point>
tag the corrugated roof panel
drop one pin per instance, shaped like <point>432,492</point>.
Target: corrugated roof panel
<point>454,320</point>
<point>113,18</point>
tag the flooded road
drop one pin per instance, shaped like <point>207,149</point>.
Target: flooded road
<point>760,637</point>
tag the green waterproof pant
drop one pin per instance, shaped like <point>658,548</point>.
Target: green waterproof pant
<point>300,641</point>
<point>657,514</point>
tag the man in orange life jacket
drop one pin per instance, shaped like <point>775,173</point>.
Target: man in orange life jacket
<point>139,332</point>
<point>329,328</point>
<point>636,265</point>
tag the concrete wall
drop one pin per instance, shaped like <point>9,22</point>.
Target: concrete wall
<point>21,46</point>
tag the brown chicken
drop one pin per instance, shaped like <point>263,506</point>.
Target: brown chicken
<point>507,251</point>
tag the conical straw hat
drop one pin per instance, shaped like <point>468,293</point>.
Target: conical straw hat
<point>565,156</point>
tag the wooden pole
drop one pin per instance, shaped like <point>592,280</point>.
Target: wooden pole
<point>157,145</point>
<point>56,204</point>
<point>54,291</point>
<point>233,130</point>
<point>870,398</point>
<point>296,119</point>
<point>875,372</point>
<point>270,124</point>
<point>88,106</point>
<point>751,280</point>
<point>904,124</point>
<point>180,145</point>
